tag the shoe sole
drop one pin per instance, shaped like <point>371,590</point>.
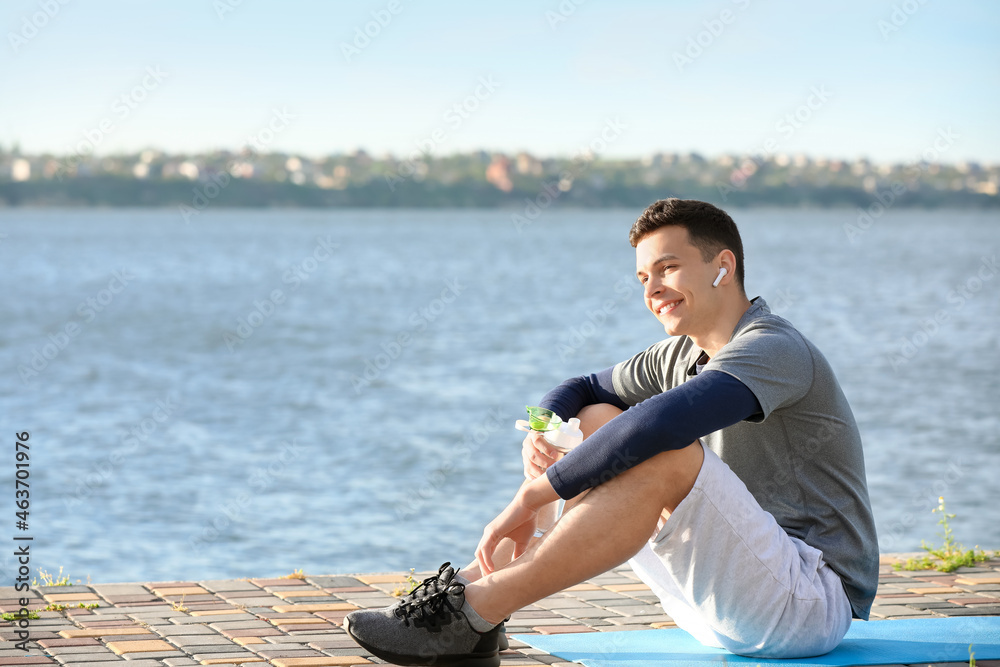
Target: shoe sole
<point>476,660</point>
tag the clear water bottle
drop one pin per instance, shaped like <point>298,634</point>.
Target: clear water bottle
<point>566,437</point>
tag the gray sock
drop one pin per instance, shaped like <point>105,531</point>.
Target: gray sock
<point>478,623</point>
<point>461,580</point>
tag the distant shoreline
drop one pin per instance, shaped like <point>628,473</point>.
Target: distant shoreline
<point>198,195</point>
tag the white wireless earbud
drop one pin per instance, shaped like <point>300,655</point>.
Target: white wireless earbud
<point>722,273</point>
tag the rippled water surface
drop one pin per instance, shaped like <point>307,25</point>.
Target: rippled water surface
<point>260,391</point>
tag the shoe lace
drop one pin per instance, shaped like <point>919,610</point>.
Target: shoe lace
<point>430,609</point>
<point>427,586</point>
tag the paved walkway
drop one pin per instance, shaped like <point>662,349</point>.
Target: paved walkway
<point>296,622</point>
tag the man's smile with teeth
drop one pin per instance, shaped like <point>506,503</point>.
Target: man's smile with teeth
<point>668,306</point>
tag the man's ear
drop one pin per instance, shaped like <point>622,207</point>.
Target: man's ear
<point>726,260</point>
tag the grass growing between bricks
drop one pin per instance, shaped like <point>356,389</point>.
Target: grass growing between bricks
<point>950,555</point>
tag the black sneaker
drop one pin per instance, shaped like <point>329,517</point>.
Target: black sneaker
<point>430,629</point>
<point>430,585</point>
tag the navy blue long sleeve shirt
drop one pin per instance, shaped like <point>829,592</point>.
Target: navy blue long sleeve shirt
<point>674,419</point>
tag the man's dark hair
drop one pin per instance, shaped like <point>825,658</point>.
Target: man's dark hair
<point>710,229</point>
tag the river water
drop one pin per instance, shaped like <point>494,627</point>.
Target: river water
<point>255,392</point>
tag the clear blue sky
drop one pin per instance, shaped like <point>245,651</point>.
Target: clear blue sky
<point>889,94</point>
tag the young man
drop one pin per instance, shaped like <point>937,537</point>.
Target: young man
<point>723,463</point>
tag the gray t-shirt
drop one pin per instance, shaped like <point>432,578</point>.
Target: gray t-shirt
<point>801,459</point>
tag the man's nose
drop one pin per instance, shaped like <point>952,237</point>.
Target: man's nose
<point>652,288</point>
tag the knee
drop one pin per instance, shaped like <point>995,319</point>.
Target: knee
<point>593,417</point>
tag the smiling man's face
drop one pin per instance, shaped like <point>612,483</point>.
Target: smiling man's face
<point>677,281</point>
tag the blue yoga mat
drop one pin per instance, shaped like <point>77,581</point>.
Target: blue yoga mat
<point>866,643</point>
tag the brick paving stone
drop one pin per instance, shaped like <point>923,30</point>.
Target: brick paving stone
<point>119,589</point>
<point>285,588</point>
<point>333,581</point>
<point>337,590</point>
<point>894,610</point>
<point>130,599</point>
<point>251,632</point>
<point>931,604</point>
<point>118,611</point>
<point>621,588</point>
<point>235,616</point>
<point>593,612</point>
<point>942,590</point>
<point>74,588</point>
<point>637,610</point>
<point>158,615</point>
<point>560,603</point>
<point>370,601</point>
<point>212,649</point>
<point>323,606</point>
<point>236,656</point>
<point>121,663</point>
<point>102,632</point>
<point>170,584</point>
<point>180,662</point>
<point>73,597</point>
<point>596,596</point>
<point>140,646</point>
<point>583,587</point>
<point>335,616</point>
<point>973,579</point>
<point>983,610</point>
<point>228,661</point>
<point>534,614</point>
<point>560,629</point>
<point>227,585</point>
<point>69,650</point>
<point>240,625</point>
<point>289,653</point>
<point>181,630</point>
<point>156,655</point>
<point>325,661</point>
<point>549,621</point>
<point>84,658</point>
<point>264,583</point>
<point>62,643</point>
<point>309,628</point>
<point>333,643</point>
<point>392,578</point>
<point>974,599</point>
<point>313,592</point>
<point>296,620</point>
<point>220,609</point>
<point>268,601</point>
<point>200,640</point>
<point>34,635</point>
<point>194,599</point>
<point>249,641</point>
<point>626,620</point>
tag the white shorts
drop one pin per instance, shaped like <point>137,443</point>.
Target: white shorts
<point>729,575</point>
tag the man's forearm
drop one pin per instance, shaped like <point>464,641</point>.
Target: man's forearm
<point>537,492</point>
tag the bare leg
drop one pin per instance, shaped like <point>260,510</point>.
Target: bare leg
<point>592,417</point>
<point>603,530</point>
